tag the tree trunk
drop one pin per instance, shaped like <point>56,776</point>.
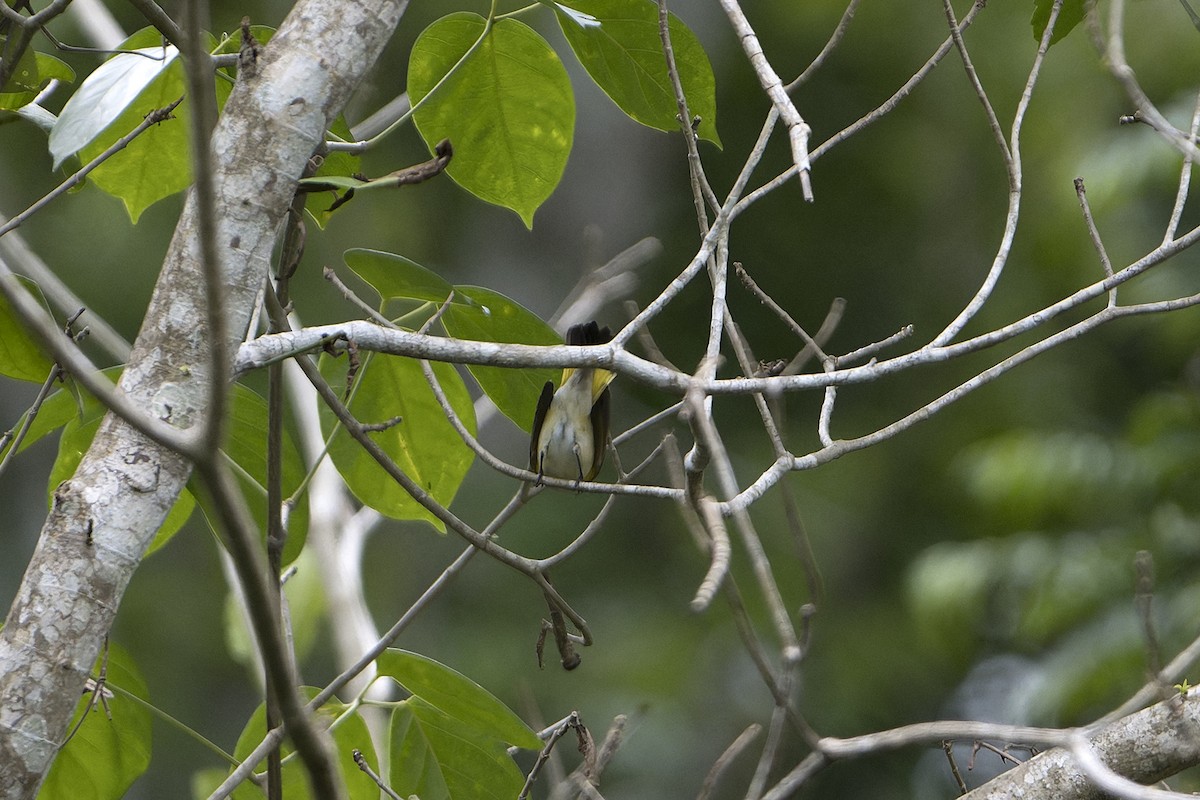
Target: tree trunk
<point>105,517</point>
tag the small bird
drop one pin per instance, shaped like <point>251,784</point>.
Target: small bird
<point>570,426</point>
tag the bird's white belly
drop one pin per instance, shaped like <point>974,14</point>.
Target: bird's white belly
<point>563,454</point>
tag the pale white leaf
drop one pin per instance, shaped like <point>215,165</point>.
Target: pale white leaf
<point>103,96</point>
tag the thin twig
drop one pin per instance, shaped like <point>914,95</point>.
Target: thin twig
<point>841,447</point>
<point>26,262</point>
<point>646,339</point>
<point>726,758</point>
<point>1094,233</point>
<point>702,193</point>
<point>980,92</point>
<point>361,761</point>
<point>835,39</point>
<point>203,118</point>
<point>1011,156</point>
<point>12,440</point>
<point>778,310</point>
<point>1143,601</point>
<point>35,320</point>
<point>1152,689</point>
<point>833,318</point>
<point>1114,57</point>
<point>22,34</point>
<point>797,129</point>
<point>560,730</point>
<point>670,412</point>
<point>719,554</point>
<point>242,539</point>
<point>867,119</point>
<point>870,350</point>
<point>1185,177</point>
<point>153,118</point>
<point>948,747</point>
<point>707,431</point>
<point>770,751</point>
<point>159,18</point>
<point>273,738</point>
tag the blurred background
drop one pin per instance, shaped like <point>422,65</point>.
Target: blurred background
<point>978,565</point>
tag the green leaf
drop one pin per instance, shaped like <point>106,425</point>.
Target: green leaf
<point>61,407</point>
<point>424,444</point>
<point>76,438</point>
<point>20,355</point>
<point>45,69</point>
<point>246,447</point>
<point>232,42</point>
<point>51,68</point>
<point>22,85</point>
<point>108,91</point>
<point>458,696</point>
<point>350,734</point>
<point>1069,16</point>
<point>492,317</point>
<point>412,762</point>
<point>157,163</point>
<point>307,610</point>
<point>394,276</point>
<point>206,781</point>
<point>105,756</point>
<point>624,56</point>
<point>508,108</point>
<point>435,755</point>
<point>337,166</point>
<point>339,181</point>
<point>179,514</point>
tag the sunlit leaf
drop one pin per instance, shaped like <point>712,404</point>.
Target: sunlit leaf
<point>413,763</point>
<point>394,276</point>
<point>508,108</point>
<point>105,755</point>
<point>46,68</point>
<point>52,68</point>
<point>22,84</point>
<point>350,734</point>
<point>108,91</point>
<point>157,163</point>
<point>20,355</point>
<point>624,56</point>
<point>1069,17</point>
<point>435,755</point>
<point>61,407</point>
<point>458,696</point>
<point>423,443</point>
<point>337,166</point>
<point>492,317</point>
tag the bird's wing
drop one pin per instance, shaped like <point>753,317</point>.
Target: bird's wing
<point>539,417</point>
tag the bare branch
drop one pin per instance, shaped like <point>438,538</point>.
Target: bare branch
<point>1114,56</point>
<point>797,129</point>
